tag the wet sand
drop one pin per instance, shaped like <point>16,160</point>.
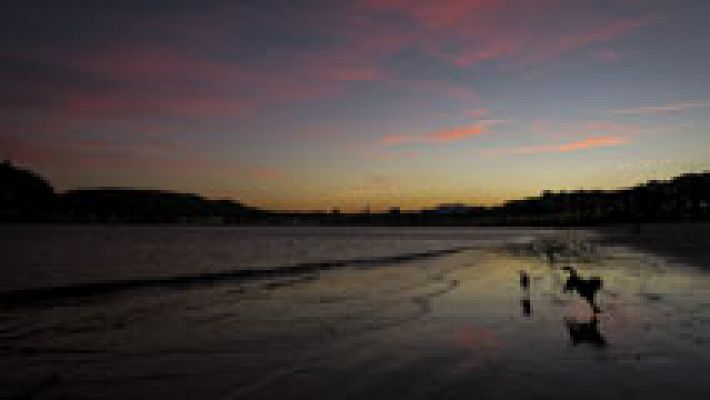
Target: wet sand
<point>687,242</point>
<point>451,327</point>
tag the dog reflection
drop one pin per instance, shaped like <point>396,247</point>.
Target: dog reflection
<point>586,288</point>
<point>585,332</point>
<point>527,307</point>
<point>525,286</point>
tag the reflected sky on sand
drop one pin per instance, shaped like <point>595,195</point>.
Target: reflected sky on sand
<point>465,325</point>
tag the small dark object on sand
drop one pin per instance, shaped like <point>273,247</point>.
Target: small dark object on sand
<point>587,288</point>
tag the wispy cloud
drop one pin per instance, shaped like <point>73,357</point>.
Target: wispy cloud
<point>460,32</point>
<point>442,136</point>
<point>456,134</point>
<point>573,41</point>
<point>662,109</point>
<point>588,143</point>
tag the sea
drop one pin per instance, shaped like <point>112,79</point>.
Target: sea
<point>45,257</point>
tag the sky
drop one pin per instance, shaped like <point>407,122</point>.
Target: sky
<point>321,104</point>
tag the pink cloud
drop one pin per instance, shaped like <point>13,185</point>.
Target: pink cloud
<point>202,84</point>
<point>466,33</point>
<point>150,80</point>
<point>589,143</point>
<point>438,14</point>
<point>199,76</point>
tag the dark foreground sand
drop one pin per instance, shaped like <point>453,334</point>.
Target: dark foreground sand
<point>457,326</point>
<point>686,242</point>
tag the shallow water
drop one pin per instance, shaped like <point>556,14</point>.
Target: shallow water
<point>448,327</point>
<point>50,256</point>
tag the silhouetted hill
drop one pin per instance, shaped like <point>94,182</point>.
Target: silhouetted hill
<point>150,206</point>
<point>24,195</point>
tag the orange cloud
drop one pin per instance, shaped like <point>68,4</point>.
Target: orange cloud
<point>456,134</point>
<point>592,142</point>
<point>599,141</point>
<point>443,136</point>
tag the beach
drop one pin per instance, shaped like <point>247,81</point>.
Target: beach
<point>449,325</point>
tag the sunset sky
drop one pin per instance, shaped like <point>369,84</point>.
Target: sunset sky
<point>315,104</point>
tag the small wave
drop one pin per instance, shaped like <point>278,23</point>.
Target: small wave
<point>31,296</point>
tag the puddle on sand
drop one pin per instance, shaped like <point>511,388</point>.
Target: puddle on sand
<point>537,336</point>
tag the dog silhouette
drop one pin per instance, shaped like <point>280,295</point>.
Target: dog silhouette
<point>586,288</point>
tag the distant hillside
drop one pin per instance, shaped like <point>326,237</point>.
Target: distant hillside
<point>26,197</point>
<point>150,206</point>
